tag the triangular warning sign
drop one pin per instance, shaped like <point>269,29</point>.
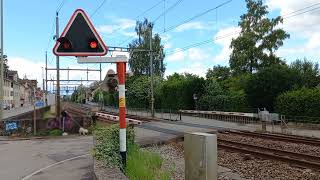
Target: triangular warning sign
<point>80,38</point>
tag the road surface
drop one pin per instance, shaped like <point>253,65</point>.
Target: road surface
<point>51,159</point>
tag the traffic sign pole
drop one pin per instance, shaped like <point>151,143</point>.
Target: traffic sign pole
<point>121,70</point>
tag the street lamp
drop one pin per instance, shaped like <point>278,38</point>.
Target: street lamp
<point>195,98</point>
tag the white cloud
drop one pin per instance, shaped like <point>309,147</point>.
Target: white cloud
<point>303,27</point>
<point>120,26</point>
<point>26,67</point>
<point>33,70</point>
<point>197,54</point>
<point>178,56</point>
<point>167,45</point>
<point>107,29</point>
<point>196,68</point>
<point>193,26</point>
<point>165,37</point>
<point>223,38</point>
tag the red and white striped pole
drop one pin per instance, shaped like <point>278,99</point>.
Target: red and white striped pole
<point>121,71</point>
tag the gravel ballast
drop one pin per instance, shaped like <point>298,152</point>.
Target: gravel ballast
<point>281,145</point>
<point>235,165</point>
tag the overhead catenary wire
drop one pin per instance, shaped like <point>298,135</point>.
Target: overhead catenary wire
<point>158,17</point>
<point>98,8</point>
<point>144,12</point>
<point>167,10</point>
<point>187,20</point>
<point>287,16</point>
<point>60,5</point>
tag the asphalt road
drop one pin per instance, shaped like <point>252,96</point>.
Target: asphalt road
<point>63,159</point>
<point>17,111</point>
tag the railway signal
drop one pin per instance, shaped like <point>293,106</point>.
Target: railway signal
<point>80,38</point>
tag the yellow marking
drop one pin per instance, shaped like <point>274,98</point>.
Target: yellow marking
<point>122,102</point>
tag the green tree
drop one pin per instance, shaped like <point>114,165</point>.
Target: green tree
<point>264,86</point>
<point>308,71</point>
<point>219,72</point>
<point>139,61</point>
<point>258,40</point>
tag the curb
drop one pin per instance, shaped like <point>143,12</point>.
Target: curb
<point>38,138</point>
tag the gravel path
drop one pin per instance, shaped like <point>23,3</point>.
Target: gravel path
<point>248,167</point>
<point>281,145</point>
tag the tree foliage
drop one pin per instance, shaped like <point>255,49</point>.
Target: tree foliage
<point>308,71</point>
<point>178,90</point>
<point>219,72</point>
<point>258,40</point>
<point>139,61</point>
<point>302,102</point>
<point>263,87</point>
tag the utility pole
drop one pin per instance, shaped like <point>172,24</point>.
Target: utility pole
<point>1,68</point>
<point>58,73</point>
<point>151,73</point>
<point>100,72</point>
<point>46,89</point>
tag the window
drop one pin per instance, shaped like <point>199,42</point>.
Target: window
<point>11,93</point>
<point>12,84</point>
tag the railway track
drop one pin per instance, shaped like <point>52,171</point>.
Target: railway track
<point>300,159</point>
<point>277,137</point>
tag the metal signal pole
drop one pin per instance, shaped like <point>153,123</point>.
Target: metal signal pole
<point>151,74</point>
<point>1,68</point>
<point>46,90</point>
<point>58,73</point>
<point>121,71</point>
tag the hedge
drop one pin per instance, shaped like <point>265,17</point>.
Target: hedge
<point>302,102</point>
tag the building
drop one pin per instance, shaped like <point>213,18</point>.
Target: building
<point>27,91</point>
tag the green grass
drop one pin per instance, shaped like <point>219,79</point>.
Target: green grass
<point>143,164</point>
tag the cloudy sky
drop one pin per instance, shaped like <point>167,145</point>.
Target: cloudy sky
<point>191,47</point>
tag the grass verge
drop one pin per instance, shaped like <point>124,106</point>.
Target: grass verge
<point>141,164</point>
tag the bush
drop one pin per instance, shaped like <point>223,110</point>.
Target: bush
<point>107,144</point>
<point>302,102</point>
<point>43,133</point>
<point>55,132</point>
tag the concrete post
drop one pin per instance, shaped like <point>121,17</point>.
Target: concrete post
<point>200,154</point>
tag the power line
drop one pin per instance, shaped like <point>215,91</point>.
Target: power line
<point>197,16</point>
<point>61,5</point>
<point>97,9</point>
<point>302,9</point>
<point>157,18</point>
<point>204,42</point>
<point>301,13</point>
<point>167,10</point>
<point>144,12</point>
<point>185,21</point>
<point>238,31</point>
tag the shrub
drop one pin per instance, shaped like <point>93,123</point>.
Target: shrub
<point>302,102</point>
<point>55,132</point>
<point>107,144</point>
<point>43,133</point>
